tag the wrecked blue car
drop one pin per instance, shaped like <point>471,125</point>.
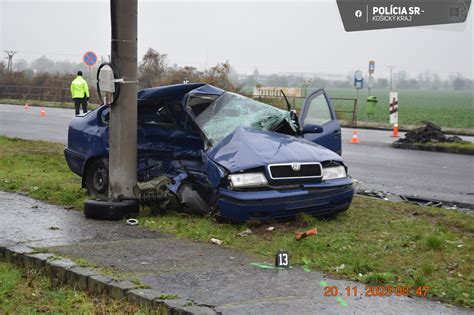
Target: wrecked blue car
<point>228,155</point>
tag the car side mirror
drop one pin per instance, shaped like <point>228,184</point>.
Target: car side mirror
<point>310,128</point>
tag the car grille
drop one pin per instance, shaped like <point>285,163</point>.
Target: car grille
<point>295,170</point>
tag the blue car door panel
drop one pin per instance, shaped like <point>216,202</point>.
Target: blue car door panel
<point>318,110</point>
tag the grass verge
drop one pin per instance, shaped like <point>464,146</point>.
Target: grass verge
<point>29,292</point>
<point>38,168</point>
<point>374,242</point>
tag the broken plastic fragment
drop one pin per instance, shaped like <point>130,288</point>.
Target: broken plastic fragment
<point>245,233</point>
<point>216,241</point>
<point>299,236</point>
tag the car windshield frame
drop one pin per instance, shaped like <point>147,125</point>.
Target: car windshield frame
<point>230,111</point>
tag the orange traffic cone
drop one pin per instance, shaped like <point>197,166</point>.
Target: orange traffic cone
<point>395,131</point>
<point>26,106</point>
<point>42,112</point>
<point>355,139</point>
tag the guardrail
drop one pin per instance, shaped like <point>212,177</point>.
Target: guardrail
<point>43,94</point>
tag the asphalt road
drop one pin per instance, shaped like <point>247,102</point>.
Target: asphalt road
<point>372,162</point>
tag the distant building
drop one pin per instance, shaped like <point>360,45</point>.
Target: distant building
<point>271,91</point>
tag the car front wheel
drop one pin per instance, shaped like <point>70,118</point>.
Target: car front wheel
<point>97,178</point>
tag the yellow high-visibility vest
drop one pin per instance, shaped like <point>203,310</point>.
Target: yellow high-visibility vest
<point>79,88</point>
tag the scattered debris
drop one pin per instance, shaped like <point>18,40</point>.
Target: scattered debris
<point>430,133</point>
<point>266,265</point>
<point>306,263</point>
<point>342,266</point>
<point>299,236</point>
<point>263,265</point>
<point>422,201</point>
<point>271,228</point>
<point>466,208</point>
<point>156,194</point>
<point>68,207</point>
<point>132,222</point>
<point>245,233</point>
<point>216,241</point>
<point>53,228</point>
<point>144,263</point>
<point>34,207</point>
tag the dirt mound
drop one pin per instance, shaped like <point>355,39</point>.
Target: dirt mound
<point>429,133</point>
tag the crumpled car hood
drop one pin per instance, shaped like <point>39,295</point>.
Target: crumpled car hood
<point>247,148</point>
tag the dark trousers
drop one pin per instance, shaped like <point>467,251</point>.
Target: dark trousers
<point>77,104</point>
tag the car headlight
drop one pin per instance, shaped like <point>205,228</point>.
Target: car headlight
<point>334,172</point>
<point>248,180</point>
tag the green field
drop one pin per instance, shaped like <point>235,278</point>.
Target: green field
<point>449,109</point>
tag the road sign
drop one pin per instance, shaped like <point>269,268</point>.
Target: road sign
<point>393,107</point>
<point>371,67</point>
<point>90,59</point>
<point>358,80</point>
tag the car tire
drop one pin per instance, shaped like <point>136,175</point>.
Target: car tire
<point>111,210</point>
<point>97,178</point>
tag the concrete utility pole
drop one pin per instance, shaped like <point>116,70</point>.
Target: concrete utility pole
<point>10,54</point>
<point>123,116</point>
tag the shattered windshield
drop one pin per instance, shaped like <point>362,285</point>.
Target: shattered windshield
<point>231,111</point>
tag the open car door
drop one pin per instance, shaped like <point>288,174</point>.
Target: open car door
<point>318,110</point>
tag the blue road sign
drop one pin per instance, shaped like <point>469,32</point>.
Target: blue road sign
<point>90,58</point>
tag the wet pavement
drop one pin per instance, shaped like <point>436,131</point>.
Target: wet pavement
<point>207,274</point>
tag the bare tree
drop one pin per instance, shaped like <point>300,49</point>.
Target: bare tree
<point>152,69</point>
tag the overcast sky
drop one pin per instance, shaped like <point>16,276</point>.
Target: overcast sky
<point>273,36</point>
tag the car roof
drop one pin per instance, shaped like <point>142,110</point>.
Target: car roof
<point>177,91</point>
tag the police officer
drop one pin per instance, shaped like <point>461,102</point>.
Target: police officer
<point>80,93</point>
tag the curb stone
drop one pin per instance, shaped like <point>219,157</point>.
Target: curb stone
<point>143,297</point>
<point>56,268</point>
<point>184,307</point>
<point>98,284</point>
<point>78,277</point>
<point>65,271</point>
<point>118,289</point>
<point>14,253</point>
<point>3,245</point>
<point>37,261</point>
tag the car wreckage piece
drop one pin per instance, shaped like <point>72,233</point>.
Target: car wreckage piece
<point>223,154</point>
